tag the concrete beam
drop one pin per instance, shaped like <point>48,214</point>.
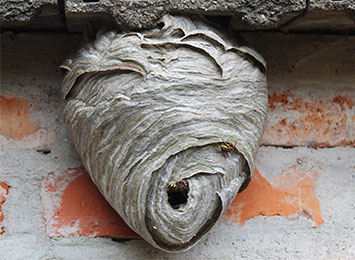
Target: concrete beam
<point>294,15</point>
<point>30,14</point>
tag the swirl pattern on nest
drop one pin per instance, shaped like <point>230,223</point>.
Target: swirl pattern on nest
<point>149,108</point>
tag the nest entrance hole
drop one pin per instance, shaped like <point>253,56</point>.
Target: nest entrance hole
<point>177,193</point>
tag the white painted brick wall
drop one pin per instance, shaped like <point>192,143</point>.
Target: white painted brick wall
<point>311,85</point>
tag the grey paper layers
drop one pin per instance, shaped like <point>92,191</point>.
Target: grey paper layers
<point>148,108</point>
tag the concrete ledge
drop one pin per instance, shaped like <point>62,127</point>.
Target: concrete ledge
<point>140,14</point>
<point>30,14</point>
<point>294,15</point>
<point>325,15</point>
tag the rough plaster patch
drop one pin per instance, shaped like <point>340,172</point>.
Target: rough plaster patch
<point>292,193</point>
<point>74,206</point>
<point>21,246</point>
<point>4,191</point>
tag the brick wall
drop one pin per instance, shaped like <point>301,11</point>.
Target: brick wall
<point>300,203</point>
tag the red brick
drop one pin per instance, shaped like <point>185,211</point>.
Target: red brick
<point>292,193</point>
<point>320,122</point>
<point>4,191</point>
<point>72,205</point>
<point>20,126</point>
<point>15,118</point>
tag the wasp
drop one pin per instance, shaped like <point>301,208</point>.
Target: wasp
<point>227,147</point>
<point>177,193</point>
<point>171,186</point>
<point>178,186</point>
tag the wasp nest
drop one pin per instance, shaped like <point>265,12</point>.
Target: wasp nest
<point>167,123</point>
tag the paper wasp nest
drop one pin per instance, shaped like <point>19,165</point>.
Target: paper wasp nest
<point>167,123</point>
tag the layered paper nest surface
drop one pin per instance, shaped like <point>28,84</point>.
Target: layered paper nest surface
<point>167,123</point>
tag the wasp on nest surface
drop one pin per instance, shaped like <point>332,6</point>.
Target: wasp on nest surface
<point>227,147</point>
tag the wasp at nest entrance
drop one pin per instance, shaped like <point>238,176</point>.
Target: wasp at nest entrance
<point>177,193</point>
